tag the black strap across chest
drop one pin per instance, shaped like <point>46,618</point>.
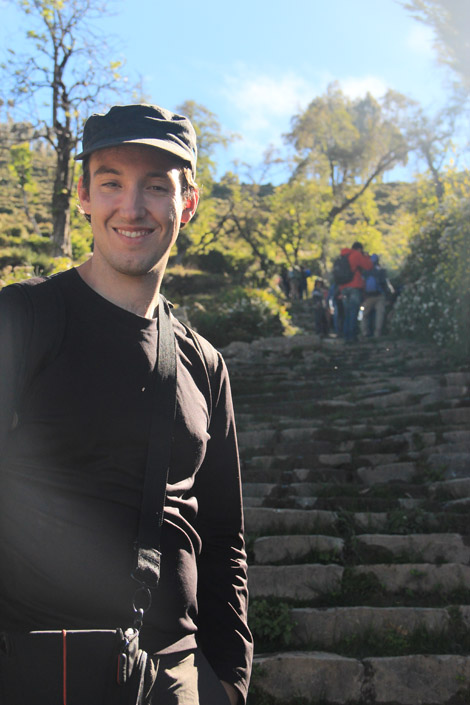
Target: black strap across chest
<point>147,568</point>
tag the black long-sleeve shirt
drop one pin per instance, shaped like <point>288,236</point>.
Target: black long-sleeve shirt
<point>71,480</point>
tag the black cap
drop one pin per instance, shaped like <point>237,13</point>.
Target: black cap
<point>141,124</point>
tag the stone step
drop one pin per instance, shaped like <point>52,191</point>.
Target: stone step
<point>280,521</point>
<point>394,472</point>
<point>290,549</point>
<point>425,548</point>
<point>450,465</point>
<point>456,417</point>
<point>296,582</point>
<point>418,578</point>
<point>334,680</point>
<point>326,628</point>
<point>311,581</point>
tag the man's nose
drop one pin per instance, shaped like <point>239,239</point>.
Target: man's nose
<point>132,204</point>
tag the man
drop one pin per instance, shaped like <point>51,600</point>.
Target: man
<point>73,462</point>
<point>352,291</point>
<point>377,287</point>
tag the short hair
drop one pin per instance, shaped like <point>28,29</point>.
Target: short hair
<point>357,245</point>
<point>187,181</point>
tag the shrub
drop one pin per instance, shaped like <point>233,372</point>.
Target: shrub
<point>434,305</point>
<point>241,314</point>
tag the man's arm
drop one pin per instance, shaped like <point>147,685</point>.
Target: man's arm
<point>223,633</point>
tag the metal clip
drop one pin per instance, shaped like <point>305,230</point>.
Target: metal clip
<point>142,595</point>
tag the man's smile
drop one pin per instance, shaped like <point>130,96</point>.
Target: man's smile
<point>133,233</point>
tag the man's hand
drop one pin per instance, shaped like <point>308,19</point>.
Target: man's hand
<point>231,692</point>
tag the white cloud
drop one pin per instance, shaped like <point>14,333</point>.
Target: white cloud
<point>263,99</point>
<point>263,106</point>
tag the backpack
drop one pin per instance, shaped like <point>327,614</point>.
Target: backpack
<point>342,272</point>
<point>374,281</point>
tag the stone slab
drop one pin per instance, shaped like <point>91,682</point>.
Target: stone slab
<point>289,435</point>
<point>257,439</point>
<point>335,459</point>
<point>387,401</point>
<point>378,458</point>
<point>458,489</point>
<point>268,461</point>
<point>452,465</point>
<point>419,577</point>
<point>425,548</point>
<point>324,628</point>
<point>302,521</point>
<point>297,582</point>
<point>418,680</point>
<point>313,676</point>
<point>457,378</point>
<point>253,501</point>
<point>456,416</point>
<point>302,489</point>
<point>274,549</point>
<point>457,436</point>
<point>370,521</point>
<point>258,489</point>
<point>402,472</point>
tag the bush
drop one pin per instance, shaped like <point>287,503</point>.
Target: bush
<point>240,314</point>
<point>434,305</point>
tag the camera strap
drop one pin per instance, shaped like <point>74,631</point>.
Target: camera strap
<point>147,566</point>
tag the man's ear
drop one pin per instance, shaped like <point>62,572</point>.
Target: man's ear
<point>190,206</point>
<point>83,196</point>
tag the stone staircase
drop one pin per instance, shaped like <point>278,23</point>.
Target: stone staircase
<point>356,480</point>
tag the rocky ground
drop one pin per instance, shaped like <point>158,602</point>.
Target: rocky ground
<point>356,481</point>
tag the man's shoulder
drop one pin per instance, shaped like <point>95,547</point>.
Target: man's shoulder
<point>187,337</point>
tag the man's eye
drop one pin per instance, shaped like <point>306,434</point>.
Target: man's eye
<point>157,187</point>
<point>110,184</point>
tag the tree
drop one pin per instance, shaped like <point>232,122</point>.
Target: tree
<point>297,216</point>
<point>431,139</point>
<point>210,135</point>
<point>66,72</point>
<point>20,167</point>
<point>450,20</point>
<point>347,145</point>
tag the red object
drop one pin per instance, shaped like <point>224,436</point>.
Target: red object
<point>64,667</point>
<point>357,261</point>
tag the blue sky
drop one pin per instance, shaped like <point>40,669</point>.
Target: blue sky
<point>255,63</point>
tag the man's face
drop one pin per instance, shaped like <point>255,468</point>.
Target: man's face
<point>136,208</point>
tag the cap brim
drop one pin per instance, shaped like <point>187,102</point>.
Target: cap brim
<point>164,145</point>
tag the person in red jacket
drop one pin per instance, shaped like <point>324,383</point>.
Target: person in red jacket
<point>352,292</point>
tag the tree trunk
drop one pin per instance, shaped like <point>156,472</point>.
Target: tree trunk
<point>62,244</point>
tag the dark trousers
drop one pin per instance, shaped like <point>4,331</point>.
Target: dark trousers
<point>351,302</point>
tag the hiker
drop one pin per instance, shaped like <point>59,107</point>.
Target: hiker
<point>320,310</point>
<point>120,500</point>
<point>295,282</point>
<point>305,273</point>
<point>284,283</point>
<point>347,271</point>
<point>377,288</point>
<point>335,307</point>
